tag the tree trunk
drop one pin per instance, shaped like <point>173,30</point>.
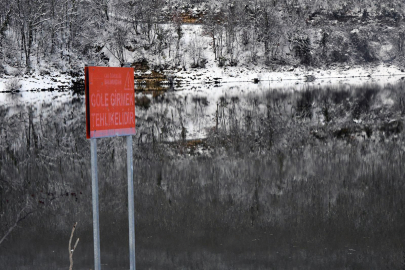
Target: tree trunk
<point>26,44</point>
<point>3,29</point>
<point>28,48</point>
<point>214,45</point>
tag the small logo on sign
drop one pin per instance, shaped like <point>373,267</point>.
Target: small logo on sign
<point>127,85</point>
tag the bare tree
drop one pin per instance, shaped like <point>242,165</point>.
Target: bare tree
<point>196,52</point>
<point>269,29</point>
<point>179,32</point>
<point>117,41</point>
<point>31,14</point>
<point>102,9</point>
<point>5,20</point>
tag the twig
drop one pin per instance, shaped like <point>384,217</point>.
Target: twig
<point>70,247</point>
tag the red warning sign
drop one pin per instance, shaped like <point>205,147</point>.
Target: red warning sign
<point>110,102</point>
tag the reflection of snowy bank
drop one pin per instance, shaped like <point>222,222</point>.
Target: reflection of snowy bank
<point>195,110</point>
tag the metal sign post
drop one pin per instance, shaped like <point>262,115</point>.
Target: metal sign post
<point>110,112</point>
<point>131,208</point>
<point>94,189</point>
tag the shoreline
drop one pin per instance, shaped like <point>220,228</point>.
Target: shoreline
<point>249,74</point>
<point>283,77</point>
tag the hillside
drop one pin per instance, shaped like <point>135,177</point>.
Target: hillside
<point>178,38</point>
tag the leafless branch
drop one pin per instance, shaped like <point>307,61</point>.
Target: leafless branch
<point>70,246</point>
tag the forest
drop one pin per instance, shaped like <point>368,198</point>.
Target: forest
<point>45,35</point>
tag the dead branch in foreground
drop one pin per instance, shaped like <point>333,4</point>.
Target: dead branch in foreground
<point>70,247</point>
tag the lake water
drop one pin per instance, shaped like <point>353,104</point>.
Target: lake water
<point>232,176</point>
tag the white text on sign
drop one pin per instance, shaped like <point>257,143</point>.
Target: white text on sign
<point>113,99</point>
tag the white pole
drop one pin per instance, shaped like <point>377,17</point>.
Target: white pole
<point>131,208</point>
<point>96,225</point>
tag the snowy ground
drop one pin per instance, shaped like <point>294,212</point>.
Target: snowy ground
<point>36,82</point>
<point>285,78</point>
<point>289,75</point>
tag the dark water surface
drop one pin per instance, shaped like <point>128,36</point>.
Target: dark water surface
<point>263,179</point>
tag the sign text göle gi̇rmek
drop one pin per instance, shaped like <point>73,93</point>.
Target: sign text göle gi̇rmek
<point>110,102</point>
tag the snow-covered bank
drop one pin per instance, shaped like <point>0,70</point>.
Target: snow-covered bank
<point>25,83</point>
<point>283,77</point>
